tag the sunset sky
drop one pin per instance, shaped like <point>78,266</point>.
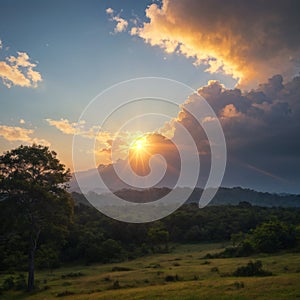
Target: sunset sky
<point>56,56</point>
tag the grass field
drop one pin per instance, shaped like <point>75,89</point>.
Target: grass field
<point>147,278</point>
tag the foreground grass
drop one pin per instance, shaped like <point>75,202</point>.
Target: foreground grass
<point>145,278</point>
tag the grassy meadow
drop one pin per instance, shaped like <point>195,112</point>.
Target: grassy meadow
<point>182,274</point>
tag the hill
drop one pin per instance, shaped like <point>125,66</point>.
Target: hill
<point>224,196</point>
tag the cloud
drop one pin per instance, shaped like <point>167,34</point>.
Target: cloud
<point>230,111</point>
<point>261,128</point>
<point>109,11</point>
<point>250,40</point>
<point>80,128</point>
<point>121,24</point>
<point>65,126</point>
<point>14,133</point>
<point>19,71</point>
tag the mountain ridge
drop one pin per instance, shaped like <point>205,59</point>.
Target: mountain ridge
<point>224,196</point>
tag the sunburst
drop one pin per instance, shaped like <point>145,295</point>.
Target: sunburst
<point>139,145</point>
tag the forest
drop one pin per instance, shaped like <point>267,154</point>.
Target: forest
<point>95,238</point>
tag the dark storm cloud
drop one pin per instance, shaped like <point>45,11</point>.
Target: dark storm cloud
<point>262,130</point>
<point>251,40</point>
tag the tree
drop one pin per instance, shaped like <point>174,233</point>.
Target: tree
<point>157,236</point>
<point>33,182</point>
<point>272,236</point>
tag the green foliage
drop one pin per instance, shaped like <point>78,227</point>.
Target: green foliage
<point>33,183</point>
<point>158,236</point>
<point>251,269</point>
<point>268,237</point>
<point>48,257</point>
<point>273,236</point>
<point>189,224</point>
<point>20,282</point>
<point>14,283</point>
<point>112,249</point>
<point>8,283</point>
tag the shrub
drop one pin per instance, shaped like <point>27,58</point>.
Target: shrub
<point>251,269</point>
<point>8,283</point>
<point>170,278</point>
<point>107,279</point>
<point>116,285</point>
<point>12,283</point>
<point>273,236</point>
<point>20,282</point>
<point>214,269</point>
<point>120,269</point>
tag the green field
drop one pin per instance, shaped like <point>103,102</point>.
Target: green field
<point>145,278</point>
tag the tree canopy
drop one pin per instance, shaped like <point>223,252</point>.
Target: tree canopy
<point>33,187</point>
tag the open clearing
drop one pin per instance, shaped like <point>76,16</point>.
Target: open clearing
<point>182,274</point>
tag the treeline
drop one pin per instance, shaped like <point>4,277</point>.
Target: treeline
<point>268,237</point>
<point>95,238</point>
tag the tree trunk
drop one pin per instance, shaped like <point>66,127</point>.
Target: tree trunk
<point>30,285</point>
<point>34,241</point>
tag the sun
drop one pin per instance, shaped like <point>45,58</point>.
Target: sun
<point>139,144</point>
<point>139,155</point>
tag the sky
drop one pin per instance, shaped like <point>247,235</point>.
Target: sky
<point>56,56</point>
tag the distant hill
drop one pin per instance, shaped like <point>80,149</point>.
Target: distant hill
<point>234,196</point>
<point>224,196</point>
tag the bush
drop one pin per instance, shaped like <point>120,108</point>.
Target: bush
<point>214,269</point>
<point>111,250</point>
<point>107,279</point>
<point>120,269</point>
<point>8,283</point>
<point>116,285</point>
<point>171,278</point>
<point>272,236</point>
<point>251,269</point>
<point>12,283</point>
<point>20,282</point>
<point>47,258</point>
<point>269,237</point>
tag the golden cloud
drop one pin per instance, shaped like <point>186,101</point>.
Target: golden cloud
<point>19,71</point>
<point>250,41</point>
<point>121,24</point>
<point>14,133</point>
